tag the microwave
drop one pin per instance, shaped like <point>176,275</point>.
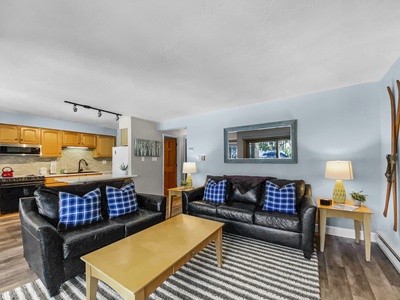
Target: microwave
<point>20,149</point>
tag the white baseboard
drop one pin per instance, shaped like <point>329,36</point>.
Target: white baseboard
<point>347,233</point>
<point>390,251</point>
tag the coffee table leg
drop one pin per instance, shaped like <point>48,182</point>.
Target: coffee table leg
<point>91,284</point>
<point>218,247</point>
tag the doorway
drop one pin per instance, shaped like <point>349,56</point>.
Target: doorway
<point>170,163</point>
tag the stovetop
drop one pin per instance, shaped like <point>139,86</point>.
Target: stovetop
<point>22,179</point>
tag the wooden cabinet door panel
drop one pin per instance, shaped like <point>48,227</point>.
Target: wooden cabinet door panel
<point>51,143</point>
<point>104,146</point>
<point>29,135</point>
<point>70,138</point>
<point>9,134</point>
<point>88,140</point>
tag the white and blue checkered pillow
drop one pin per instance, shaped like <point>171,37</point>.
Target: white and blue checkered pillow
<point>121,201</point>
<point>76,211</point>
<point>280,199</point>
<point>215,192</point>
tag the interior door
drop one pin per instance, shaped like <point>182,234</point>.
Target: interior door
<point>169,164</point>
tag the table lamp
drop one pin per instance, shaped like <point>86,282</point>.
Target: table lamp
<point>339,170</point>
<point>188,168</point>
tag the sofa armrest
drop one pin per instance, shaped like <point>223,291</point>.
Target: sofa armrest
<point>42,245</point>
<point>152,202</point>
<point>308,212</point>
<point>191,195</point>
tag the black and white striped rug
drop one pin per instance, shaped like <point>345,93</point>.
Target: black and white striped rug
<point>251,269</point>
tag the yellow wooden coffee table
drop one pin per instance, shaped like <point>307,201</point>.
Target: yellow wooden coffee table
<point>135,266</point>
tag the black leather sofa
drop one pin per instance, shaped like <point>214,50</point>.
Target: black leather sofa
<point>55,255</point>
<point>242,211</point>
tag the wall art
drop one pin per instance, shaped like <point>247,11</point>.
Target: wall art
<point>147,148</point>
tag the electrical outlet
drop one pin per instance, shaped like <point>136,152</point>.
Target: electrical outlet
<point>154,159</point>
<point>103,161</point>
<point>142,158</point>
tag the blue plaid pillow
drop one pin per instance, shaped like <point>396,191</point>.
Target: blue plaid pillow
<point>215,192</point>
<point>76,211</point>
<point>121,201</point>
<point>280,199</point>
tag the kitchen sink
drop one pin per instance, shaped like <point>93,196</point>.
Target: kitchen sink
<point>83,172</point>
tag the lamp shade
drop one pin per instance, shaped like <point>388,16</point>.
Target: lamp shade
<point>189,167</point>
<point>339,170</point>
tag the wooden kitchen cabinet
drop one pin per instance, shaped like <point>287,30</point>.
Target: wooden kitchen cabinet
<point>30,135</point>
<point>9,134</point>
<point>104,146</point>
<point>88,140</point>
<point>14,134</point>
<point>51,143</point>
<point>78,139</point>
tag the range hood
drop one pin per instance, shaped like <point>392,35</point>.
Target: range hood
<point>20,149</point>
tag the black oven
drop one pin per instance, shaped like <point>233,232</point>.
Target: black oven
<point>13,188</point>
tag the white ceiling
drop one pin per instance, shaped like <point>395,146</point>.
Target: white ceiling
<point>158,59</point>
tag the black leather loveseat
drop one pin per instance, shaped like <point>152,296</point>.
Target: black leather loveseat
<point>243,214</point>
<point>54,255</point>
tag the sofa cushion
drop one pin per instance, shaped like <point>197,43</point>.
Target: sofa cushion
<point>121,201</point>
<point>280,199</point>
<point>215,192</point>
<point>77,211</point>
<point>83,240</point>
<point>215,178</point>
<point>300,188</point>
<point>47,197</point>
<point>202,207</point>
<point>139,220</point>
<point>236,211</point>
<point>47,204</point>
<point>246,189</point>
<point>277,220</point>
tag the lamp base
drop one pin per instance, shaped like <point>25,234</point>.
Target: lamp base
<point>189,181</point>
<point>339,192</point>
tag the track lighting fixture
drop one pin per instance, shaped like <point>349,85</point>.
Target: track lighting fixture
<point>99,111</point>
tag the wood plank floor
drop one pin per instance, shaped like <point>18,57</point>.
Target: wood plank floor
<point>344,273</point>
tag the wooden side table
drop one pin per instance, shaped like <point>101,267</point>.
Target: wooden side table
<point>360,215</point>
<point>176,191</point>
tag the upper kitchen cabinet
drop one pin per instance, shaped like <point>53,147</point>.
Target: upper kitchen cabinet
<point>14,134</point>
<point>88,140</point>
<point>78,139</point>
<point>30,135</point>
<point>104,146</point>
<point>51,143</point>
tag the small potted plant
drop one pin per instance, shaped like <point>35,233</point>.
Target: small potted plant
<point>358,198</point>
<point>124,168</point>
<point>183,184</point>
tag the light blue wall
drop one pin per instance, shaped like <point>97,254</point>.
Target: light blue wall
<point>385,225</point>
<point>18,119</point>
<point>341,124</point>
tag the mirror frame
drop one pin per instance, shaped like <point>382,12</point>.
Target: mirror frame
<point>293,137</point>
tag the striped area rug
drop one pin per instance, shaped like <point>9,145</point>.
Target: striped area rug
<point>251,269</point>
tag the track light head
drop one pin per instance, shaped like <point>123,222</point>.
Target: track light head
<point>99,114</point>
<point>116,117</point>
<point>75,108</point>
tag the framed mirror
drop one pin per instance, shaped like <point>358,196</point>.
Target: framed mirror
<point>271,143</point>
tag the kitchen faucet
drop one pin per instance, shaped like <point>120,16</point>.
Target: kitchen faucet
<point>79,165</point>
